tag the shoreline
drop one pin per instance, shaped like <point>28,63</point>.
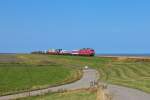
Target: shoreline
<point>141,57</point>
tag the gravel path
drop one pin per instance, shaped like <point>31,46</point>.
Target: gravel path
<point>124,93</point>
<point>89,76</point>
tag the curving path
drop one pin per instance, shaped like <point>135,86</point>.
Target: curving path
<point>117,92</point>
<point>88,76</point>
<point>124,93</point>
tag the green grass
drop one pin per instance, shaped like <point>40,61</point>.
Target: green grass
<point>21,77</point>
<point>131,73</point>
<point>75,95</point>
<point>127,72</point>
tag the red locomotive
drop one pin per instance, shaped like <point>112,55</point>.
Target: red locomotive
<point>86,52</point>
<point>81,52</point>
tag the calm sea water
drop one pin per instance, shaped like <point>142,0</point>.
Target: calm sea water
<point>137,55</point>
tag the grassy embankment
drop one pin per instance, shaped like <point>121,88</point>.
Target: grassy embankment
<point>22,73</point>
<point>127,72</point>
<point>133,73</point>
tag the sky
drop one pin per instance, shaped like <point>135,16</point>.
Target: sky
<point>108,26</point>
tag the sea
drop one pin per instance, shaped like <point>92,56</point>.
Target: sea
<point>129,55</point>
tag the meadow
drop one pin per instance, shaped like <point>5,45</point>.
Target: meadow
<point>130,74</point>
<point>25,75</point>
<point>134,73</point>
<point>31,71</point>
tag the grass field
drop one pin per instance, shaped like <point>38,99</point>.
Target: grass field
<point>133,73</point>
<point>22,76</point>
<point>130,74</point>
<point>127,72</point>
<point>74,95</point>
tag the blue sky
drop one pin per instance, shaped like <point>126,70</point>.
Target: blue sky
<point>108,26</point>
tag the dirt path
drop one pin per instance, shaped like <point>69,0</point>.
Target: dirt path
<point>124,93</point>
<point>89,75</point>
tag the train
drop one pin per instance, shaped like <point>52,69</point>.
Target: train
<point>80,52</point>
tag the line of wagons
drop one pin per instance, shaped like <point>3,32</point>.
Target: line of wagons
<point>80,52</point>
